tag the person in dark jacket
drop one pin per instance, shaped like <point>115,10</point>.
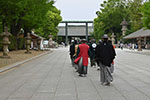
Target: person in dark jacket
<point>72,51</point>
<point>92,45</point>
<point>105,54</point>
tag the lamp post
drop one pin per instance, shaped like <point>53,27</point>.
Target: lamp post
<point>5,42</point>
<point>124,27</point>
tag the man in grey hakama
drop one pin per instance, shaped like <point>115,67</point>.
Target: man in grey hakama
<point>105,54</point>
<point>105,74</point>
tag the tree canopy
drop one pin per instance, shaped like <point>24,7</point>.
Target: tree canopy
<point>112,13</point>
<point>146,14</point>
<point>29,14</point>
<point>50,23</point>
<point>109,17</point>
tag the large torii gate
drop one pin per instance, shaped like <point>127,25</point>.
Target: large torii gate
<point>66,28</point>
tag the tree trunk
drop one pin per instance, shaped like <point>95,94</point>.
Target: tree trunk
<point>15,30</point>
<point>3,24</point>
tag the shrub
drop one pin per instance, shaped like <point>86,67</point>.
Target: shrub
<point>21,43</point>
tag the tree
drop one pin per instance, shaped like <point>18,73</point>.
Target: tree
<point>50,24</point>
<point>109,17</point>
<point>23,13</point>
<point>28,14</point>
<point>146,14</point>
<point>7,15</point>
<point>113,12</point>
<point>135,15</point>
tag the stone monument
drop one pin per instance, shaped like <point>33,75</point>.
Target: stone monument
<point>5,43</point>
<point>28,43</point>
<point>50,41</point>
<point>124,27</point>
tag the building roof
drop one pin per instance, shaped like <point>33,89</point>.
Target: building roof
<point>35,36</point>
<point>75,30</point>
<point>140,33</point>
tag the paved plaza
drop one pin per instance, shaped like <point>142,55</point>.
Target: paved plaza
<point>52,77</point>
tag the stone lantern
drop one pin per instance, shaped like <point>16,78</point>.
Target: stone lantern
<point>39,42</point>
<point>5,43</point>
<point>28,43</point>
<point>113,38</point>
<point>124,27</point>
<point>50,41</point>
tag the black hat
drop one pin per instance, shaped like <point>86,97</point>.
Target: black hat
<point>83,40</point>
<point>105,36</point>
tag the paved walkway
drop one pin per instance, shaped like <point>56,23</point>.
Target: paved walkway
<point>51,77</point>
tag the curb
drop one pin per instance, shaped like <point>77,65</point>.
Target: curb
<point>21,62</point>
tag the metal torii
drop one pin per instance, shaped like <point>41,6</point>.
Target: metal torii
<point>66,27</point>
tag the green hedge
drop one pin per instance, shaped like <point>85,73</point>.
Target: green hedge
<point>21,43</point>
<point>13,41</point>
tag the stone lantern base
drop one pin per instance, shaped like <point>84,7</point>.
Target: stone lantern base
<point>139,49</point>
<point>27,52</point>
<point>7,57</point>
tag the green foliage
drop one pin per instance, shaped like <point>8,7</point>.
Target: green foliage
<point>1,47</point>
<point>27,14</point>
<point>98,29</point>
<point>1,27</point>
<point>40,15</point>
<point>34,12</point>
<point>113,12</point>
<point>146,14</point>
<point>59,40</point>
<point>21,43</point>
<point>109,17</point>
<point>135,15</point>
<point>12,45</point>
<point>50,24</point>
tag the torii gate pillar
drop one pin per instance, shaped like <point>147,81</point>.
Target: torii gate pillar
<point>66,32</point>
<point>86,31</point>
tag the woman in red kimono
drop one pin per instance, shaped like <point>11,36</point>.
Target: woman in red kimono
<point>82,53</point>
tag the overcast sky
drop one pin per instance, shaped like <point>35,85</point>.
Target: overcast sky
<point>78,9</point>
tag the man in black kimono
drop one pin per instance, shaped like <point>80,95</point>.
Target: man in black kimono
<point>92,45</point>
<point>105,54</point>
<point>72,51</point>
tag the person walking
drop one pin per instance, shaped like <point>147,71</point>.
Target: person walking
<point>112,64</point>
<point>72,51</point>
<point>105,54</point>
<point>92,45</point>
<point>82,54</point>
